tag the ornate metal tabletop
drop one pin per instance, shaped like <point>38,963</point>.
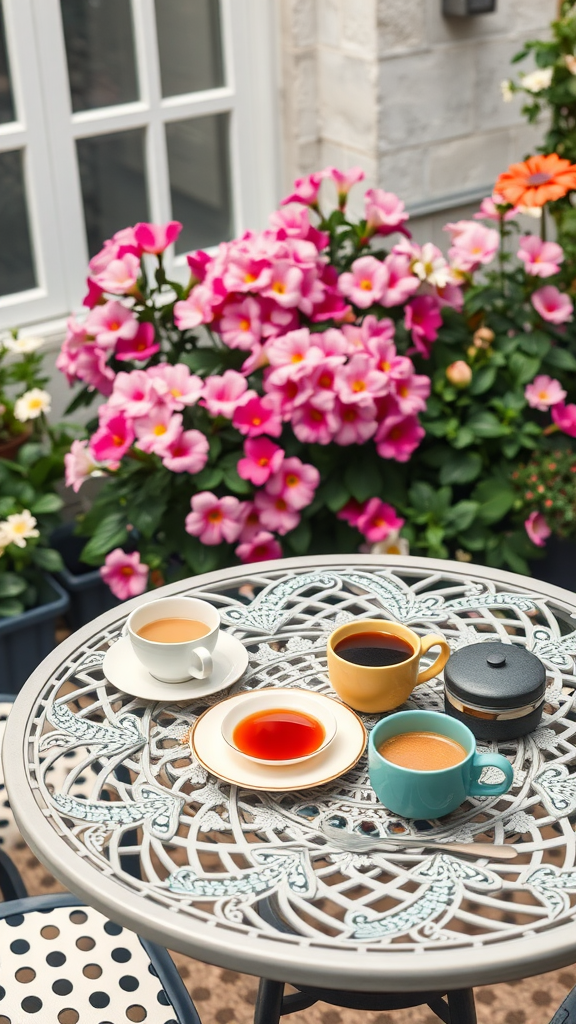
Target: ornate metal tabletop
<point>245,879</point>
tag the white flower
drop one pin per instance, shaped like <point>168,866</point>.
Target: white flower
<point>393,545</point>
<point>31,404</point>
<point>22,345</point>
<point>570,62</point>
<point>17,528</point>
<point>537,80</point>
<point>431,266</point>
<point>531,211</point>
<point>506,90</point>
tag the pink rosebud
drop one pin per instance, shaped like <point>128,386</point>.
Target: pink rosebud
<point>221,394</point>
<point>564,417</point>
<point>384,212</point>
<point>257,416</point>
<point>295,481</point>
<point>141,347</point>
<point>155,238</point>
<point>366,282</point>
<point>544,392</point>
<point>540,259</point>
<point>344,181</point>
<point>125,574</point>
<point>552,305</point>
<point>306,190</point>
<point>261,548</point>
<point>187,453</point>
<point>113,438</point>
<point>537,529</point>
<point>378,520</point>
<point>213,519</point>
<point>262,459</point>
<point>459,374</point>
<point>398,437</point>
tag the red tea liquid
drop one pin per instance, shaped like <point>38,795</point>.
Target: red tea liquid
<point>278,734</point>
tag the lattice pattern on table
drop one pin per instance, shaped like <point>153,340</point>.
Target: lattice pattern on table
<point>257,861</point>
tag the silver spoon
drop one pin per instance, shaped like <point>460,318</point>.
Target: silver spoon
<point>362,844</point>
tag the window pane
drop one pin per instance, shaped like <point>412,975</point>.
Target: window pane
<point>199,165</point>
<point>189,41</point>
<point>6,101</point>
<point>16,260</point>
<point>99,39</point>
<point>113,179</point>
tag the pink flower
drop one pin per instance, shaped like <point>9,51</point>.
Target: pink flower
<point>125,574</point>
<point>400,281</point>
<point>196,309</point>
<point>275,513</point>
<point>111,322</point>
<point>198,262</point>
<point>187,453</point>
<point>360,382</point>
<point>398,437</point>
<point>344,181</point>
<point>537,529</point>
<point>314,422</point>
<point>540,259</point>
<point>158,430</point>
<point>257,416</point>
<point>564,417</point>
<point>543,392</point>
<point>378,520</point>
<point>357,422</point>
<point>93,295</point>
<point>90,366</point>
<point>175,385</point>
<point>113,438</point>
<point>459,374</point>
<point>552,305</point>
<point>79,465</point>
<point>214,519</point>
<point>305,190</point>
<point>251,524</point>
<point>132,394</point>
<point>296,482</point>
<point>240,325</point>
<point>120,276</point>
<point>156,238</point>
<point>473,246</point>
<point>285,285</point>
<point>140,347</point>
<point>366,283</point>
<point>261,548</point>
<point>262,458</point>
<point>221,394</point>
<point>422,317</point>
<point>384,212</point>
<point>411,393</point>
<point>351,512</point>
<point>294,354</point>
<point>488,209</point>
<point>245,273</point>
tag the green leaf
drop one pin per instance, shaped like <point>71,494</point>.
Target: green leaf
<point>421,496</point>
<point>561,359</point>
<point>48,559</point>
<point>7,507</point>
<point>495,498</point>
<point>482,380</point>
<point>523,368</point>
<point>110,533</point>
<point>300,538</point>
<point>362,479</point>
<point>11,584</point>
<point>485,424</point>
<point>208,478</point>
<point>335,494</point>
<point>202,360</point>
<point>46,503</point>
<point>461,515</point>
<point>10,607</point>
<point>464,437</point>
<point>30,453</point>
<point>535,344</point>
<point>234,482</point>
<point>462,468</point>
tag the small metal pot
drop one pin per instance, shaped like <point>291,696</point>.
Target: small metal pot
<point>496,689</point>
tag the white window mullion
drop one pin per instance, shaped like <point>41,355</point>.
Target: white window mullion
<point>149,72</point>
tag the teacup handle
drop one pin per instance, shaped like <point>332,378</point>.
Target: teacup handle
<point>432,640</point>
<point>481,761</point>
<point>204,669</point>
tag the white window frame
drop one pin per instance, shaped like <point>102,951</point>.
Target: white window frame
<point>47,131</point>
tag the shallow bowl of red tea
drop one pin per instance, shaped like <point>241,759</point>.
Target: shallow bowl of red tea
<point>279,727</point>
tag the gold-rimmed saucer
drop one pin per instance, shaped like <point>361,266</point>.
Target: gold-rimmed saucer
<point>213,752</point>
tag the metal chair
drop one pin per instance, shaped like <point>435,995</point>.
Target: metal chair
<point>566,1013</point>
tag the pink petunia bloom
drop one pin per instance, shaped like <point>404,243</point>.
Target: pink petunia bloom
<point>398,437</point>
<point>295,481</point>
<point>120,277</point>
<point>552,305</point>
<point>292,356</point>
<point>213,519</point>
<point>540,259</point>
<point>113,438</point>
<point>247,274</point>
<point>488,209</point>
<point>334,342</point>
<point>91,367</point>
<point>295,223</point>
<point>366,282</point>
<point>351,512</point>
<point>79,465</point>
<point>262,459</point>
<point>314,422</point>
<point>400,281</point>
<point>155,238</point>
<point>306,190</point>
<point>251,524</point>
<point>125,574</point>
<point>422,318</point>
<point>257,416</point>
<point>564,416</point>
<point>411,393</point>
<point>93,295</point>
<point>537,529</point>
<point>544,392</point>
<point>175,385</point>
<point>188,453</point>
<point>198,262</point>
<point>221,394</point>
<point>132,394</point>
<point>140,347</point>
<point>240,325</point>
<point>360,382</point>
<point>197,309</point>
<point>285,285</point>
<point>325,379</point>
<point>472,246</point>
<point>111,322</point>
<point>262,548</point>
<point>378,520</point>
<point>275,513</point>
<point>158,430</point>
<point>344,181</point>
<point>384,212</point>
<point>357,422</point>
<point>289,395</point>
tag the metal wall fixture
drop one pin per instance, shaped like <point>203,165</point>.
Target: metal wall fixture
<point>466,8</point>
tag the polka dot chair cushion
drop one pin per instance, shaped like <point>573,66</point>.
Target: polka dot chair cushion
<point>70,964</point>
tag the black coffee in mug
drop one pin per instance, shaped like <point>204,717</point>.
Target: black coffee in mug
<point>374,650</point>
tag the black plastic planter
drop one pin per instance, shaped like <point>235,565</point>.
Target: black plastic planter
<point>26,639</point>
<point>89,595</point>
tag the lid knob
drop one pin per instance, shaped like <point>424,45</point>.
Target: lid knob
<point>496,660</point>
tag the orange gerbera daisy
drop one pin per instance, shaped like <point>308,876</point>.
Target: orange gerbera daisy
<point>537,181</point>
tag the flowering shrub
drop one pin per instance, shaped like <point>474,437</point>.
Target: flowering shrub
<point>321,384</point>
<point>23,402</point>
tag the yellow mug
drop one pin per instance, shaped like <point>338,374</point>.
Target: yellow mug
<point>383,687</point>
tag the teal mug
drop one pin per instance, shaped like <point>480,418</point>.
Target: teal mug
<point>431,794</point>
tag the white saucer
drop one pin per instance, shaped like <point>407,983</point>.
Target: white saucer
<point>122,668</point>
<point>210,748</point>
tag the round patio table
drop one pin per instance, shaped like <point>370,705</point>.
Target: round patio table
<point>246,880</point>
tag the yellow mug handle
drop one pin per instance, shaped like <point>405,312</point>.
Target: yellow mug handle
<point>432,640</point>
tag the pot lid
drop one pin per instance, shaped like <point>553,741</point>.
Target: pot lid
<point>496,675</point>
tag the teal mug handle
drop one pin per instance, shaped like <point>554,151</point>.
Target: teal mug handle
<point>481,761</point>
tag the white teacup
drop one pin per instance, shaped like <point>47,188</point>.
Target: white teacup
<point>175,662</point>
